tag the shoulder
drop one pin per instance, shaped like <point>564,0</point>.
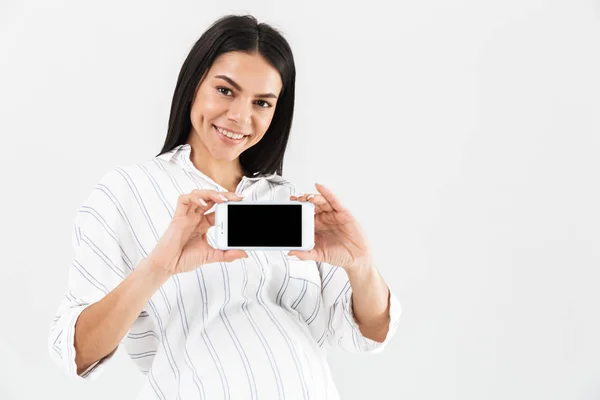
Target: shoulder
<point>115,180</point>
<point>110,199</point>
<point>121,178</point>
<point>110,189</point>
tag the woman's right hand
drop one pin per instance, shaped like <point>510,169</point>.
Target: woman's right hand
<point>183,247</point>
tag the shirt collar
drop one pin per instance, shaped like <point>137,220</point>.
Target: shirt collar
<point>169,155</point>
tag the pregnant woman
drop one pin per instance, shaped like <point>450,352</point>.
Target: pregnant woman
<point>198,322</point>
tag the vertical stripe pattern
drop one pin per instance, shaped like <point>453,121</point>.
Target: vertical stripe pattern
<point>254,328</point>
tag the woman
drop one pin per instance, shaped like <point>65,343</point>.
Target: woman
<point>202,323</point>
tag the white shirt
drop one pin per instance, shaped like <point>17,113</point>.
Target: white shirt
<point>255,328</point>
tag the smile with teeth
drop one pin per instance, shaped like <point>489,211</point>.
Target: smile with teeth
<point>230,135</point>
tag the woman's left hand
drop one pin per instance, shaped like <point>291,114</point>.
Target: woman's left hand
<point>339,240</point>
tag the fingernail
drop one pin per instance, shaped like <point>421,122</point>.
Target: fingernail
<point>202,202</point>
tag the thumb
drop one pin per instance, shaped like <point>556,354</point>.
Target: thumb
<point>216,255</point>
<point>303,255</point>
<point>232,255</point>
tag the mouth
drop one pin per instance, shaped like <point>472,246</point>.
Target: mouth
<point>229,137</point>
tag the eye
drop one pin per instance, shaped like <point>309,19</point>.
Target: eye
<point>263,104</point>
<point>224,90</point>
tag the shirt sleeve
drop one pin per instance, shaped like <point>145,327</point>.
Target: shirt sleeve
<point>98,265</point>
<point>342,327</point>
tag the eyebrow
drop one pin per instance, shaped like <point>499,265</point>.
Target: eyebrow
<point>238,87</point>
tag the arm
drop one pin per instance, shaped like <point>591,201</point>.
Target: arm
<point>110,282</point>
<point>370,301</point>
<point>363,311</point>
<point>101,326</point>
<point>364,321</point>
<point>112,278</point>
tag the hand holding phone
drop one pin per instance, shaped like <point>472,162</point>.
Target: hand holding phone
<point>184,246</point>
<point>265,225</point>
<point>339,239</point>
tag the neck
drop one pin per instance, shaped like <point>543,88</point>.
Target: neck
<point>228,174</point>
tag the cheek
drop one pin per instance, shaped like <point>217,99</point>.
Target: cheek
<point>210,107</point>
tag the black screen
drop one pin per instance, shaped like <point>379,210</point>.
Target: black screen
<point>264,225</point>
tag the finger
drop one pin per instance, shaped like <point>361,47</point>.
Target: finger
<point>186,203</point>
<point>210,195</point>
<point>321,203</point>
<point>231,196</point>
<point>306,196</point>
<point>206,223</point>
<point>197,198</point>
<point>216,197</point>
<point>222,197</point>
<point>206,199</point>
<point>301,197</point>
<point>203,204</point>
<point>187,200</point>
<point>203,200</point>
<point>335,203</point>
<point>210,218</point>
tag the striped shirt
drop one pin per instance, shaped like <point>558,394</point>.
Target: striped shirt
<point>255,328</point>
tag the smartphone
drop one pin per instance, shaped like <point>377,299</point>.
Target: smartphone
<point>265,225</point>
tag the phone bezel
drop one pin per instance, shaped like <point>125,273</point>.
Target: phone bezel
<point>308,224</point>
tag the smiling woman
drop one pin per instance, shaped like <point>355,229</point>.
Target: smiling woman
<point>198,322</point>
<point>232,110</point>
<point>238,79</point>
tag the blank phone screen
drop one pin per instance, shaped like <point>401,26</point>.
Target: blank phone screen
<point>264,225</point>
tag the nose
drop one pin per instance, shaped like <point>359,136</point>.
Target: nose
<point>240,112</point>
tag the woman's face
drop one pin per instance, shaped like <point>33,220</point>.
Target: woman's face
<point>237,96</point>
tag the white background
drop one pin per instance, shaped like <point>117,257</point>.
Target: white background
<point>464,135</point>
